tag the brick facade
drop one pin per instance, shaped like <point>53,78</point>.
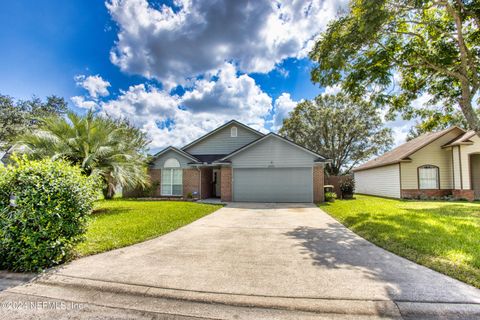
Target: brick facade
<point>464,194</point>
<point>200,181</point>
<point>155,180</point>
<point>318,181</point>
<point>428,193</point>
<point>226,183</point>
<point>153,191</point>
<point>436,193</point>
<point>191,182</point>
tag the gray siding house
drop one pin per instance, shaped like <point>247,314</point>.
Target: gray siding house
<point>237,163</point>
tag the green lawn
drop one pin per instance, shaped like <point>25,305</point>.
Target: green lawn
<point>444,236</point>
<point>119,223</point>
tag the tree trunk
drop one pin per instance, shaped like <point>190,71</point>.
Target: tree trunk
<point>109,189</point>
<point>467,109</point>
<point>108,192</point>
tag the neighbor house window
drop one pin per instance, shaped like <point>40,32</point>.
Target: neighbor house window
<point>428,177</point>
<point>172,178</point>
<point>233,132</point>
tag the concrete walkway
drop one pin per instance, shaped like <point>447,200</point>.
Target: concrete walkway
<point>278,258</point>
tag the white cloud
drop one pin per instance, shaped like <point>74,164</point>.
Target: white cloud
<point>282,107</point>
<point>80,102</point>
<point>178,120</point>
<point>196,37</point>
<point>332,90</point>
<point>95,85</point>
<point>400,129</point>
<point>239,97</point>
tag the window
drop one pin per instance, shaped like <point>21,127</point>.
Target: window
<point>428,177</point>
<point>171,163</point>
<point>172,177</point>
<point>233,132</point>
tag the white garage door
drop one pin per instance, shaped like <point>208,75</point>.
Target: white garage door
<point>273,184</point>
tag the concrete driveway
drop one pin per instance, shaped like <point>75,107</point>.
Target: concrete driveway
<point>272,256</point>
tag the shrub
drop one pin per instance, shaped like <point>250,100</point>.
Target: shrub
<point>145,192</point>
<point>330,196</point>
<point>43,210</point>
<point>347,186</point>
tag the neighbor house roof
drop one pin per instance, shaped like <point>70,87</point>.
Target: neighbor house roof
<point>320,158</point>
<point>402,152</point>
<point>463,139</point>
<point>220,128</point>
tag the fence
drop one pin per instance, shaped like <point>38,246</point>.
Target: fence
<point>335,182</point>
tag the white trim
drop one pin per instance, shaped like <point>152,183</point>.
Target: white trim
<point>171,182</point>
<point>272,167</point>
<point>233,132</point>
<point>231,184</point>
<point>313,187</point>
<point>181,152</point>
<point>171,163</point>
<point>271,134</point>
<point>220,128</point>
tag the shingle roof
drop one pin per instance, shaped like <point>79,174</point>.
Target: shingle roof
<point>464,138</point>
<point>185,154</point>
<point>209,158</point>
<point>403,151</point>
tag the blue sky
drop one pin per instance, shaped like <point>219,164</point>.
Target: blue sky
<point>175,69</point>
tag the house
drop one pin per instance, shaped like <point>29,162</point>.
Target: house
<point>435,164</point>
<point>237,163</point>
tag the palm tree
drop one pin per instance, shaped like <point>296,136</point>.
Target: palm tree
<point>112,149</point>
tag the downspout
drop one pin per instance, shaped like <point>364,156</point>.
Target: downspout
<point>200,182</point>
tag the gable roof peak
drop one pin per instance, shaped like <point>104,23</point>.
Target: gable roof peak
<point>208,134</point>
<point>403,151</point>
<point>268,135</point>
<point>181,152</point>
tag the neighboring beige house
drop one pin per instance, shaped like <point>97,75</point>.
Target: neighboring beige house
<point>432,165</point>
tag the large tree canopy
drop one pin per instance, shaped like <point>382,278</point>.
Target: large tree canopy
<point>344,130</point>
<point>111,149</point>
<point>17,117</point>
<point>397,50</point>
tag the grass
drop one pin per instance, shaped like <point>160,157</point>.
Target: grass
<point>444,236</point>
<point>119,223</point>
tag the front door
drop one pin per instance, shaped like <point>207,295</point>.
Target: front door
<point>475,174</point>
<point>216,183</point>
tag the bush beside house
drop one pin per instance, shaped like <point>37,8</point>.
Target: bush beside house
<point>43,212</point>
<point>347,187</point>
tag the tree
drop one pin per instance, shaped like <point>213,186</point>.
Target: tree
<point>437,121</point>
<point>398,50</point>
<point>344,130</point>
<point>110,148</point>
<point>18,117</point>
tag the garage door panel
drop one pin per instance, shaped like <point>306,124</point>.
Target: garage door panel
<point>272,184</point>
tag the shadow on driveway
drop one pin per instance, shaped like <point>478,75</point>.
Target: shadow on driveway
<point>336,247</point>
